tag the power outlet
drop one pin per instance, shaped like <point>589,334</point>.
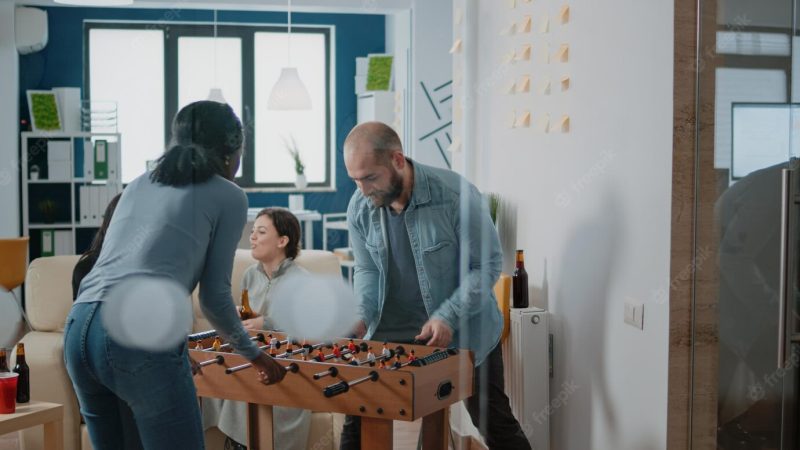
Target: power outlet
<point>634,315</point>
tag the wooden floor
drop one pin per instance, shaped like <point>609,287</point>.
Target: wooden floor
<point>405,438</point>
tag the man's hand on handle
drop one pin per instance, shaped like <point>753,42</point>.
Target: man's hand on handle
<point>269,371</point>
<point>436,333</point>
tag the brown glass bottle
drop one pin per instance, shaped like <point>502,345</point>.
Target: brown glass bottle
<point>3,360</point>
<point>24,379</point>
<point>519,283</point>
<point>245,312</point>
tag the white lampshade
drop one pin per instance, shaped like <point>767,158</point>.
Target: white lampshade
<point>95,2</point>
<point>215,95</point>
<point>289,92</point>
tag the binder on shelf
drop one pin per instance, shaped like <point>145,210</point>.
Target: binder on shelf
<point>83,205</point>
<point>62,242</point>
<point>113,159</point>
<point>94,202</point>
<point>77,157</point>
<point>88,160</point>
<point>100,159</point>
<point>58,166</point>
<point>47,243</point>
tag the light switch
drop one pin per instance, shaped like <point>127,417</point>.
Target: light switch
<point>634,315</point>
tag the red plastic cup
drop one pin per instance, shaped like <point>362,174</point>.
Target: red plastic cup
<point>8,392</point>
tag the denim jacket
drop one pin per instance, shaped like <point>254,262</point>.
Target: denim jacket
<point>435,220</point>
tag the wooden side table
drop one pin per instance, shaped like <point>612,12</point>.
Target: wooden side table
<point>51,415</point>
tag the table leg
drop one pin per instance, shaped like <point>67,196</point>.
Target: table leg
<point>54,435</point>
<point>436,430</point>
<point>376,434</point>
<point>259,427</point>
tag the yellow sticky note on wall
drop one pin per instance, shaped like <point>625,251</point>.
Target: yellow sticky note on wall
<point>523,120</point>
<point>509,30</point>
<point>563,53</point>
<point>544,54</point>
<point>524,53</point>
<point>524,84</point>
<point>564,83</point>
<point>545,25</point>
<point>511,88</point>
<point>563,15</point>
<point>525,25</point>
<point>456,47</point>
<point>563,124</point>
<point>544,87</point>
<point>543,124</point>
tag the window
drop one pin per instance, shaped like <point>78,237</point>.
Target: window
<point>245,62</point>
<point>127,66</point>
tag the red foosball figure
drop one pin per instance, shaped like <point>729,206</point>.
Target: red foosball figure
<point>351,346</point>
<point>217,345</point>
<point>382,364</point>
<point>320,356</point>
<point>412,356</point>
<point>337,352</point>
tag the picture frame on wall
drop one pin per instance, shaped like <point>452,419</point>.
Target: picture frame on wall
<point>44,111</point>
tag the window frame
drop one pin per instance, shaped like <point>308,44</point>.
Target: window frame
<point>246,32</point>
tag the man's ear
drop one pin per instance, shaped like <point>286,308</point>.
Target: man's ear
<point>398,160</point>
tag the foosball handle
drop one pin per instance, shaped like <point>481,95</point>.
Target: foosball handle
<point>293,367</point>
<point>336,389</point>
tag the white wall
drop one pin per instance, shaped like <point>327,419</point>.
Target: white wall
<point>10,326</point>
<point>431,32</point>
<point>591,208</point>
<point>9,130</point>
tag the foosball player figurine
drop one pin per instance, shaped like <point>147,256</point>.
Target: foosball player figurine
<point>387,354</point>
<point>273,345</point>
<point>217,345</point>
<point>351,346</point>
<point>304,355</point>
<point>320,356</point>
<point>412,356</point>
<point>382,364</point>
<point>337,352</point>
<point>370,357</point>
<point>397,363</point>
<point>198,345</point>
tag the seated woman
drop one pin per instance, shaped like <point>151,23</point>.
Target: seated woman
<point>274,242</point>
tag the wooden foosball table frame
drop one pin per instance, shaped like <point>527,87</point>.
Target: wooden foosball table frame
<point>423,389</point>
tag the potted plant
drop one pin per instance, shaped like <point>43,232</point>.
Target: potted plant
<point>494,205</point>
<point>299,167</point>
<point>48,209</point>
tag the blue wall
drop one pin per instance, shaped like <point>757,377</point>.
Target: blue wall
<point>61,64</point>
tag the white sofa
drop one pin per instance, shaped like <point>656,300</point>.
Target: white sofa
<point>48,296</point>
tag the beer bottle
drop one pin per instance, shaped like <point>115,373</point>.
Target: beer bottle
<point>245,312</point>
<point>3,360</point>
<point>519,283</point>
<point>24,379</point>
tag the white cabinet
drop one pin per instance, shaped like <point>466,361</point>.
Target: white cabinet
<point>376,106</point>
<point>67,181</point>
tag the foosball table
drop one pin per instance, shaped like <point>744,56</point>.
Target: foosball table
<point>378,381</point>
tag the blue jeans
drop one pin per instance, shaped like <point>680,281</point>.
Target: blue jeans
<point>129,398</point>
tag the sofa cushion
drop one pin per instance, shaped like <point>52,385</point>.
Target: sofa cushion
<point>48,291</point>
<point>315,261</point>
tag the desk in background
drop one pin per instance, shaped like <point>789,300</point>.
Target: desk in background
<point>306,218</point>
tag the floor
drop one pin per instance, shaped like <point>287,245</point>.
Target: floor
<point>405,437</point>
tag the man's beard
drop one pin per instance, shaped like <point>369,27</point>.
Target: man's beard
<point>384,198</point>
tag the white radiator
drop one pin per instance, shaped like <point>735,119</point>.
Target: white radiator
<point>526,355</point>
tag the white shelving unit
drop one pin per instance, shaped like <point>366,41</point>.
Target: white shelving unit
<point>71,183</point>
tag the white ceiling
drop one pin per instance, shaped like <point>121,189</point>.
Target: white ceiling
<point>320,6</point>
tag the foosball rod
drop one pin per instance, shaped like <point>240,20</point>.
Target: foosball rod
<point>344,386</point>
<point>216,360</point>
<point>259,337</point>
<point>399,350</point>
<point>293,368</point>
<point>202,335</point>
<point>302,350</point>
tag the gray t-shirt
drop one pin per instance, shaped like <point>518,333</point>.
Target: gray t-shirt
<point>404,311</point>
<point>259,287</point>
<point>188,234</point>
